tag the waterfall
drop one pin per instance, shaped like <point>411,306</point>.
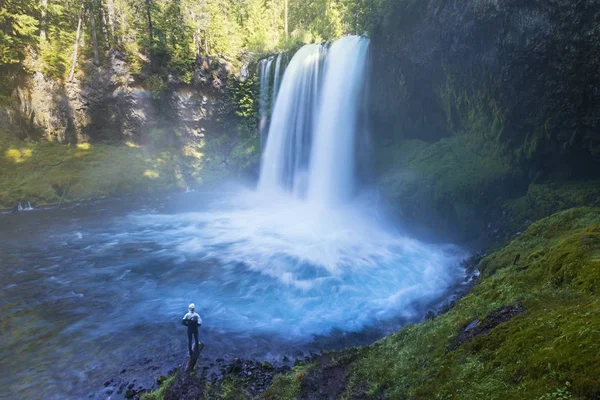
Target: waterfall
<point>310,148</point>
<point>276,79</point>
<point>264,72</point>
<point>29,207</point>
<point>287,151</point>
<point>332,159</point>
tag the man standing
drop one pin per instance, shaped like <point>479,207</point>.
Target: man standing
<point>192,320</point>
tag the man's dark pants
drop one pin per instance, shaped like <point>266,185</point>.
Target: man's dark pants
<point>192,332</point>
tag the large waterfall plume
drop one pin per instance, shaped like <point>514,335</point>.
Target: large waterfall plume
<point>310,148</point>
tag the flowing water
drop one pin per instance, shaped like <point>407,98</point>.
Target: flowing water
<point>264,72</point>
<point>303,262</point>
<point>277,78</point>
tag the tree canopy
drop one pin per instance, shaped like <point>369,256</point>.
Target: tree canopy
<point>163,36</point>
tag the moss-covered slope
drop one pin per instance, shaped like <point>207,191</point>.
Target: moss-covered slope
<point>529,330</point>
<point>467,188</point>
<point>49,173</point>
<point>448,186</point>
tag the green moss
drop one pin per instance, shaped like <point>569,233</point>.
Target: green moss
<point>456,184</point>
<point>471,111</point>
<point>288,386</point>
<point>543,199</point>
<point>232,389</point>
<point>549,351</point>
<point>47,173</point>
<point>459,177</point>
<point>160,393</point>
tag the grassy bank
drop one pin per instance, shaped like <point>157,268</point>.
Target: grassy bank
<point>47,173</point>
<point>528,330</point>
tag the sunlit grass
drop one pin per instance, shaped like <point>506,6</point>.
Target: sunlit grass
<point>84,146</point>
<point>131,144</point>
<point>151,174</point>
<point>48,173</point>
<point>18,155</point>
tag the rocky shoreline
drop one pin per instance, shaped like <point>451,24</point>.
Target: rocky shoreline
<point>252,376</point>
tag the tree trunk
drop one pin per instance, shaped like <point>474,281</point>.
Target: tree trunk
<point>206,42</point>
<point>104,25</point>
<point>188,367</point>
<point>110,5</point>
<point>44,11</point>
<point>150,32</point>
<point>197,39</point>
<point>77,38</point>
<point>94,38</point>
<point>149,16</point>
<point>285,12</point>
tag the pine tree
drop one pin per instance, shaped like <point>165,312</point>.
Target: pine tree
<point>19,21</point>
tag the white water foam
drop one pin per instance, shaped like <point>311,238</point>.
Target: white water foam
<point>280,265</point>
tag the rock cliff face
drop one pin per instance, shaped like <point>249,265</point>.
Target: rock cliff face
<point>110,134</point>
<point>506,90</point>
<point>107,103</point>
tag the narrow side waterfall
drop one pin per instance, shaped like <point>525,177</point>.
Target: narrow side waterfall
<point>276,79</point>
<point>310,148</point>
<point>264,72</point>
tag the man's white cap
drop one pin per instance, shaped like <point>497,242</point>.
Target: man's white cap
<point>192,306</point>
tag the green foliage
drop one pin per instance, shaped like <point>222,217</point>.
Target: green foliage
<point>232,389</point>
<point>223,29</point>
<point>288,386</point>
<point>56,50</point>
<point>471,111</point>
<point>157,85</point>
<point>162,38</point>
<point>244,96</point>
<point>18,31</point>
<point>261,35</point>
<point>321,19</point>
<point>55,63</point>
<point>562,393</point>
<point>247,150</point>
<point>172,50</point>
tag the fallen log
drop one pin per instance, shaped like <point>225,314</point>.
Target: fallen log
<point>188,367</point>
